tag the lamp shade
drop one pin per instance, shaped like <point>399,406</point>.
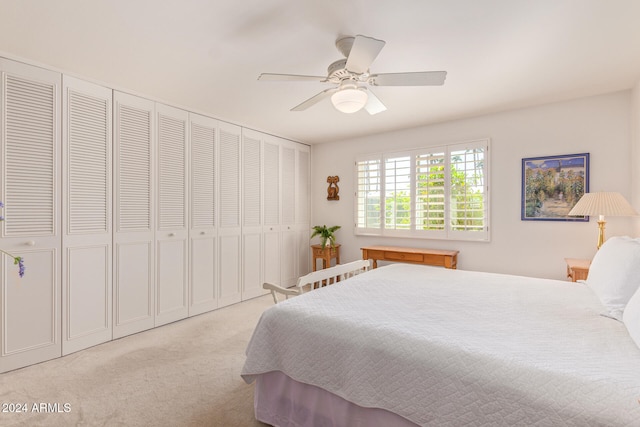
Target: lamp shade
<point>603,203</point>
<point>349,100</point>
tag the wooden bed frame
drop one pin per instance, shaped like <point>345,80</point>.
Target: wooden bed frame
<point>320,278</point>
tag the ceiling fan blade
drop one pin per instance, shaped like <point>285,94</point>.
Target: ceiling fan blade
<point>363,52</point>
<point>374,105</point>
<point>315,99</point>
<point>424,78</point>
<point>289,77</point>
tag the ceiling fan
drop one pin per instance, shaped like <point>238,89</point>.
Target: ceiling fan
<point>352,77</point>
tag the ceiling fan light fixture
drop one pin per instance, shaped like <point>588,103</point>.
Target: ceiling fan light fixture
<point>349,100</point>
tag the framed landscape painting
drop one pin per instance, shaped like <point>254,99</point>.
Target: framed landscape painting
<point>552,185</point>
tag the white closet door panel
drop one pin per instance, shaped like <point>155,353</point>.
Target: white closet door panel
<point>171,283</point>
<point>203,142</point>
<point>271,183</point>
<point>229,230</point>
<point>303,181</point>
<point>172,167</point>
<point>251,179</point>
<point>272,254</point>
<point>30,150</point>
<point>87,251</point>
<point>87,297</point>
<point>134,221</point>
<point>229,251</point>
<point>134,145</point>
<point>229,177</point>
<point>30,310</point>
<point>203,273</point>
<point>303,209</point>
<point>304,252</point>
<point>203,295</point>
<point>252,245</point>
<point>288,256</point>
<point>30,307</point>
<point>87,131</point>
<point>252,263</point>
<point>172,235</point>
<point>288,185</point>
<point>134,290</point>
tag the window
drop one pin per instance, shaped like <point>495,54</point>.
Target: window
<point>434,192</point>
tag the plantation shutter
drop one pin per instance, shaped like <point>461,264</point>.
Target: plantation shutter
<point>397,192</point>
<point>433,192</point>
<point>430,194</point>
<point>468,196</point>
<point>29,175</point>
<point>369,194</point>
<point>203,182</point>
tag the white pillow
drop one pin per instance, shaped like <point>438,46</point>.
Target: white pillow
<point>631,317</point>
<point>614,274</point>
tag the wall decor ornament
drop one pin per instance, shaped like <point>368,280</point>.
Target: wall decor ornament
<point>333,189</point>
<point>552,185</point>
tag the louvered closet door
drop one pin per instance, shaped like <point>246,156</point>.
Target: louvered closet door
<point>203,294</point>
<point>288,260</point>
<point>133,276</point>
<point>229,231</point>
<point>87,251</point>
<point>271,215</point>
<point>172,231</point>
<point>303,208</point>
<point>252,214</point>
<point>30,189</point>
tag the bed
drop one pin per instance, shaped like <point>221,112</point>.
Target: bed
<point>418,345</point>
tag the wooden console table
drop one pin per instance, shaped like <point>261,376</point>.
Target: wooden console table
<point>447,259</point>
<point>325,255</point>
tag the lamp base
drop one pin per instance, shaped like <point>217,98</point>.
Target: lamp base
<point>601,224</point>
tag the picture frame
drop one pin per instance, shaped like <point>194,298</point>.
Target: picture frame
<point>552,185</point>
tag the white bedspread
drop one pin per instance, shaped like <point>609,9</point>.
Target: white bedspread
<point>450,347</point>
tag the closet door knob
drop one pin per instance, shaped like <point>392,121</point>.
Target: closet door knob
<point>202,233</point>
<point>172,234</point>
<point>30,243</point>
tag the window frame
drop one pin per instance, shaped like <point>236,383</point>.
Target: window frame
<point>447,232</point>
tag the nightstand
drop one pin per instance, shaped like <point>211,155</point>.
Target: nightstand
<point>325,255</point>
<point>577,269</point>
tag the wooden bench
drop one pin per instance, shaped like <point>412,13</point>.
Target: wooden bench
<point>320,278</point>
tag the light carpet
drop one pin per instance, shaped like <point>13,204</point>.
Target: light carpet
<point>182,374</point>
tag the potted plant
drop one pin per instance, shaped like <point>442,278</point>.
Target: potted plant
<point>326,234</point>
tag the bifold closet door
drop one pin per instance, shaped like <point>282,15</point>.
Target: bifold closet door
<point>289,232</point>
<point>303,208</point>
<point>252,245</point>
<point>172,230</point>
<point>30,176</point>
<point>203,295</point>
<point>271,213</point>
<point>134,239</point>
<point>230,205</point>
<point>87,238</point>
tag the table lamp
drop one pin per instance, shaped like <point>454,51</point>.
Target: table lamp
<point>601,204</point>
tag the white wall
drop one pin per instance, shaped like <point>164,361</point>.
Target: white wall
<point>597,125</point>
<point>635,151</point>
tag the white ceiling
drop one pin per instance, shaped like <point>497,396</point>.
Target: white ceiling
<point>207,55</point>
